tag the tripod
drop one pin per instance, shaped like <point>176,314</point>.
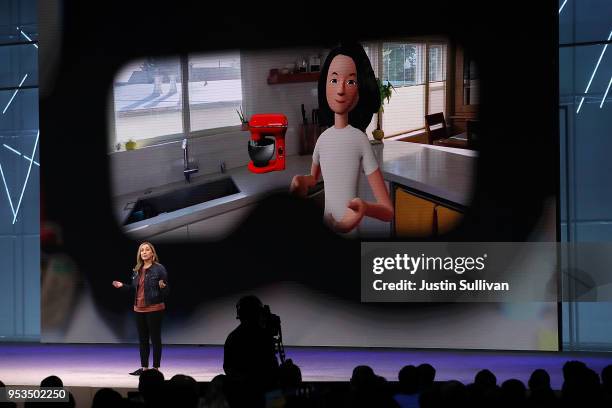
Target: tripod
<point>278,344</point>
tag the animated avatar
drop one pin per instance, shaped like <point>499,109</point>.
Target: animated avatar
<point>348,97</point>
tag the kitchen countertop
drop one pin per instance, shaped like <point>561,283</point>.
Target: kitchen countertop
<point>443,172</point>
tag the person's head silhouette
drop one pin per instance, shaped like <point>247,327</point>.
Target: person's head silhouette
<point>249,309</point>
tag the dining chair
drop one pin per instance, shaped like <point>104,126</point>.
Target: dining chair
<point>439,132</point>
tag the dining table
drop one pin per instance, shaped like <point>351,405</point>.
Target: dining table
<point>458,141</point>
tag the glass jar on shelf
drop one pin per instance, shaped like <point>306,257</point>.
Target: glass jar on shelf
<point>315,63</point>
<point>303,65</point>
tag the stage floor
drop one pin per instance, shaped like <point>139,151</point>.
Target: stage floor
<point>108,365</point>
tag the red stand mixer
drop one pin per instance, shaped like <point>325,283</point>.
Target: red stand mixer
<point>267,144</point>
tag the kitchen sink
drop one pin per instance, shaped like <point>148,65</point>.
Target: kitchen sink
<point>150,207</point>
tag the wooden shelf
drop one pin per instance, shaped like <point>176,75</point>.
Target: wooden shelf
<point>278,78</point>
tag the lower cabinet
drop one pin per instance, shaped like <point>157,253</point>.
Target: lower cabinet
<point>418,217</point>
<point>220,226</point>
<point>447,219</point>
<point>176,235</point>
<point>209,229</point>
<point>414,216</point>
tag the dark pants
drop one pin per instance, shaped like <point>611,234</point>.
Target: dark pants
<point>149,326</point>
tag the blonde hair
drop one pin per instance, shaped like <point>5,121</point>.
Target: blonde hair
<point>139,261</point>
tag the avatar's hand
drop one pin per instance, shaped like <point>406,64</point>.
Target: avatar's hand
<point>355,211</point>
<point>117,284</point>
<point>162,284</point>
<point>299,186</point>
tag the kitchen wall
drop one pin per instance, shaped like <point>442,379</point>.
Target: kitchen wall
<point>158,165</point>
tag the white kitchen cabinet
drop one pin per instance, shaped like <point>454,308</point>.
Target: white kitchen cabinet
<point>220,226</point>
<point>176,235</point>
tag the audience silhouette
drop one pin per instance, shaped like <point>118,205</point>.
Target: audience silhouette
<point>107,397</point>
<point>216,395</point>
<point>3,402</point>
<point>52,381</point>
<point>416,388</point>
<point>540,392</point>
<point>408,395</point>
<point>368,389</point>
<point>151,388</point>
<point>426,374</point>
<point>606,385</point>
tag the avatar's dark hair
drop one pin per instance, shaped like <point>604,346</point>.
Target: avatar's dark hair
<point>369,94</point>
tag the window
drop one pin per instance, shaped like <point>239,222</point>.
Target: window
<point>147,100</point>
<point>437,63</point>
<point>215,90</point>
<point>149,104</point>
<point>437,78</point>
<point>406,65</point>
<point>403,64</point>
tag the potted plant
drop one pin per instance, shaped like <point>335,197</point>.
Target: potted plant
<point>385,93</point>
<point>130,145</point>
<point>244,124</point>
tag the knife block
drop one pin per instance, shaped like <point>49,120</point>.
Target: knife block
<point>308,137</point>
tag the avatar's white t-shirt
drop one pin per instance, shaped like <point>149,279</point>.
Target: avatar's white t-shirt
<point>342,153</point>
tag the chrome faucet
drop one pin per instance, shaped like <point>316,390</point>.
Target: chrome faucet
<point>187,171</point>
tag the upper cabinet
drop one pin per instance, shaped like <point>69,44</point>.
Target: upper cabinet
<point>467,90</point>
<point>470,81</point>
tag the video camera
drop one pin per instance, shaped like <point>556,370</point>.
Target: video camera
<point>272,323</point>
<point>250,308</point>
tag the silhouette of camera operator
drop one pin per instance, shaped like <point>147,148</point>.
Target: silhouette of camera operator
<point>249,353</point>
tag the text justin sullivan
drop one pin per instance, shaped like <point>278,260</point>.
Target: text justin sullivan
<point>445,285</point>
